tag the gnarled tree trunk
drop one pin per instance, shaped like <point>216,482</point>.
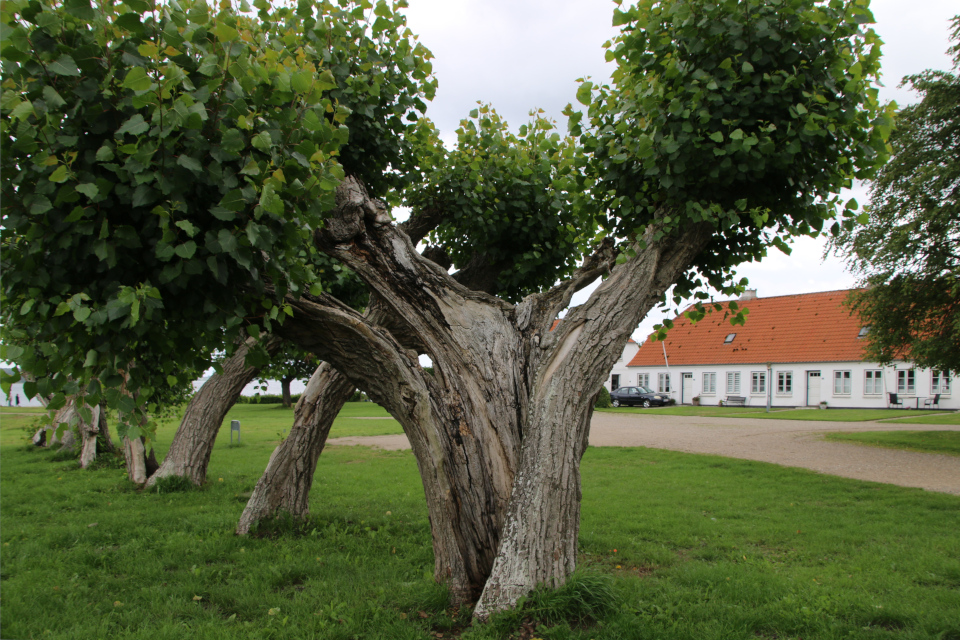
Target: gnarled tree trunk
<point>285,485</point>
<point>498,430</point>
<point>189,453</point>
<point>285,391</point>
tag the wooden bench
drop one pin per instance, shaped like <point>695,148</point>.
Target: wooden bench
<point>735,401</point>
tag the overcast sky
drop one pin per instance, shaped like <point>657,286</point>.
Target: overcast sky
<point>524,54</point>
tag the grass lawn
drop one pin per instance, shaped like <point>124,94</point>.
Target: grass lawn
<point>943,418</point>
<point>672,546</point>
<point>947,442</point>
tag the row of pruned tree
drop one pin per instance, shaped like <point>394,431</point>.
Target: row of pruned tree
<point>179,178</point>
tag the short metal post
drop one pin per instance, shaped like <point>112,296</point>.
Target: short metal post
<point>234,426</point>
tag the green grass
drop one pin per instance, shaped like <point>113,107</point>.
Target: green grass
<point>268,423</point>
<point>672,546</point>
<point>948,418</point>
<point>947,442</point>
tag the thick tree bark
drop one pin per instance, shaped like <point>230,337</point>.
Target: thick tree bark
<point>88,437</point>
<point>499,429</point>
<point>189,453</point>
<point>135,455</point>
<point>539,537</point>
<point>285,391</point>
<point>285,485</point>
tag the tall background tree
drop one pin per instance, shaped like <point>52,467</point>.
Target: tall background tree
<point>907,252</point>
<point>173,171</point>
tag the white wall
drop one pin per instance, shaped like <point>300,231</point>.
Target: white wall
<point>797,396</point>
<point>621,369</point>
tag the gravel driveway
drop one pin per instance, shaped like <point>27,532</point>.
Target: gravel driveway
<point>791,443</point>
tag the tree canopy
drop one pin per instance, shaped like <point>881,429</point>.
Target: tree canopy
<point>163,161</point>
<point>908,253</point>
<point>175,175</point>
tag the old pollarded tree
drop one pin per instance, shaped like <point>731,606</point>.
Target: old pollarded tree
<point>172,177</point>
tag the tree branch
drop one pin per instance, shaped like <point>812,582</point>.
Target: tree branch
<point>545,306</point>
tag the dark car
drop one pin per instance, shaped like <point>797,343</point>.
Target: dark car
<point>627,396</point>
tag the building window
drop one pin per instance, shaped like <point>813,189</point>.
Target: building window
<point>729,338</point>
<point>733,383</point>
<point>758,382</point>
<point>863,332</point>
<point>710,383</point>
<point>842,383</point>
<point>940,383</point>
<point>873,382</point>
<point>664,386</point>
<point>906,382</point>
<point>643,380</point>
<point>785,383</point>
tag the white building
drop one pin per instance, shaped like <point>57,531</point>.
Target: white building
<point>797,350</point>
<point>620,374</point>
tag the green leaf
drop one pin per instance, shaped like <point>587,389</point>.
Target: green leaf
<point>52,98</point>
<point>88,189</point>
<point>225,33</point>
<point>716,136</point>
<point>137,80</point>
<point>40,204</point>
<point>326,81</point>
<point>187,226</point>
<point>301,82</point>
<point>747,67</point>
<point>186,250</point>
<point>190,163</point>
<point>228,242</point>
<point>584,93</point>
<point>736,134</point>
<point>270,201</point>
<point>22,111</point>
<point>233,201</point>
<point>232,141</point>
<point>262,141</point>
<point>60,174</point>
<point>65,66</point>
<point>135,125</point>
<point>81,313</point>
<point>251,168</point>
<point>105,154</point>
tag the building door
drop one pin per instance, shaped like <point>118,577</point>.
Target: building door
<point>686,390</point>
<point>614,382</point>
<point>813,388</point>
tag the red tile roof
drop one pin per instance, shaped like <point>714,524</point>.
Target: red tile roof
<point>809,327</point>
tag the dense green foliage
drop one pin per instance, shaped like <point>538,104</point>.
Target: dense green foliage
<point>162,162</point>
<point>908,254</point>
<point>603,399</point>
<point>519,211</point>
<point>724,548</point>
<point>165,163</point>
<point>749,114</point>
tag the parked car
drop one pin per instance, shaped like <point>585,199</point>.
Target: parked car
<point>628,396</point>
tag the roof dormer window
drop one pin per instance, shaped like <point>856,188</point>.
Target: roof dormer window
<point>863,332</point>
<point>729,338</point>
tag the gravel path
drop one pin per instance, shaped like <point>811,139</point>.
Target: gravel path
<point>791,443</point>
